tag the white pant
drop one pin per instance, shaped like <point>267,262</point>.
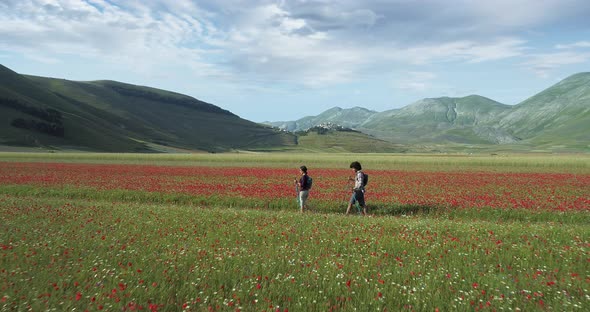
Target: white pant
<point>303,195</point>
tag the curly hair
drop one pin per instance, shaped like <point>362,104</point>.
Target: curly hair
<point>356,165</point>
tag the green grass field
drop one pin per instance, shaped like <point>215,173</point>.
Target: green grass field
<point>576,163</point>
<point>68,249</point>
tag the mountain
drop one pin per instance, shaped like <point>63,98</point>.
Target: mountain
<point>459,120</point>
<point>349,118</point>
<point>117,117</point>
<point>110,116</point>
<point>557,116</point>
<point>556,119</point>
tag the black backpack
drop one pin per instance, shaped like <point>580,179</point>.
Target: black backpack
<point>365,179</point>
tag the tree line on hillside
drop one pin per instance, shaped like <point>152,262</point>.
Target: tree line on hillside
<point>51,119</point>
<point>39,126</point>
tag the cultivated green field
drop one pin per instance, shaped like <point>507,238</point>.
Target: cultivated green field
<point>87,250</point>
<point>576,163</point>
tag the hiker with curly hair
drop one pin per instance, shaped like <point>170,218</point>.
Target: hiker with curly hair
<point>358,191</point>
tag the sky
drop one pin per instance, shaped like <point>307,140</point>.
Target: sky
<point>282,60</point>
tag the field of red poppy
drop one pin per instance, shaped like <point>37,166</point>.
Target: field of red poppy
<point>203,236</point>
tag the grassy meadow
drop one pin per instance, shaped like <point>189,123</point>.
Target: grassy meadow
<point>577,163</point>
<point>198,232</point>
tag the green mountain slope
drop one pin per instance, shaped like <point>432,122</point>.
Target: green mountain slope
<point>118,117</point>
<point>458,120</point>
<point>557,116</point>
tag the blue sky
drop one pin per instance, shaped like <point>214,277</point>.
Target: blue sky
<point>283,60</point>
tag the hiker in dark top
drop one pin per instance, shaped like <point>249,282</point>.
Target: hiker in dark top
<point>358,191</point>
<point>303,186</point>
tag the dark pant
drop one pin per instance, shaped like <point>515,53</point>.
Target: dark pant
<point>358,196</point>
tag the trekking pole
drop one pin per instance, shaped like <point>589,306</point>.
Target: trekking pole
<point>297,193</point>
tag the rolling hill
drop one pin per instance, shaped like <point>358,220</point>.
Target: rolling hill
<point>330,138</point>
<point>111,116</point>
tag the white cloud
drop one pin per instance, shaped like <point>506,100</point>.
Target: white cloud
<point>543,64</point>
<point>454,51</point>
<point>104,32</point>
<point>44,60</point>
<point>575,45</point>
<point>511,13</point>
<point>415,81</point>
<point>309,43</point>
<point>276,46</point>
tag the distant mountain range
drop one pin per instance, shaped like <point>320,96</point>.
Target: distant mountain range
<point>110,116</point>
<point>556,119</point>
